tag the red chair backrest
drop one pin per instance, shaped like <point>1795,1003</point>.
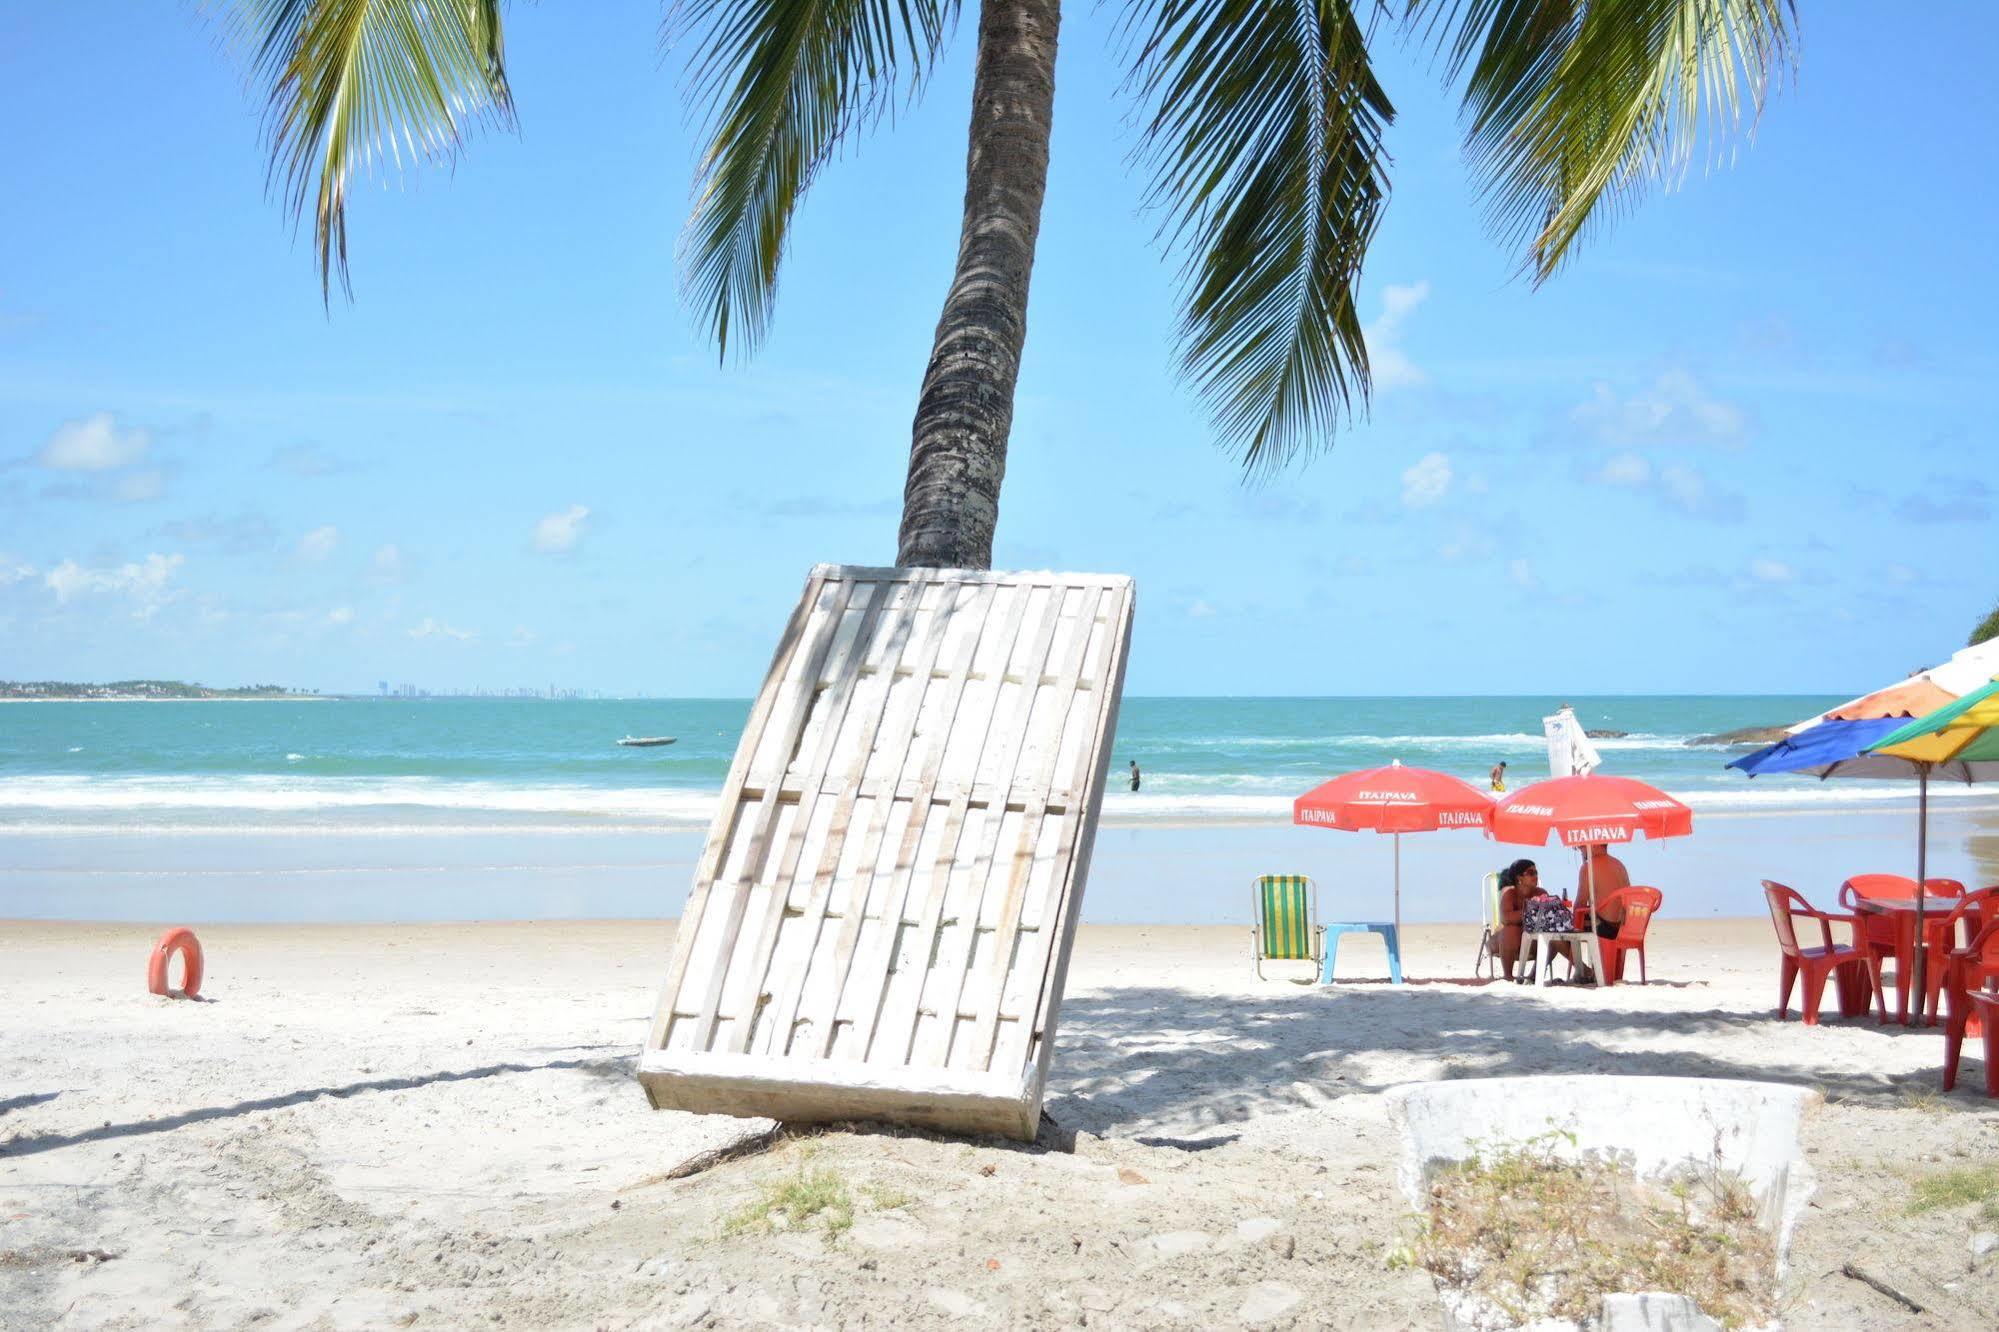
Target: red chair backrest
<point>1639,904</point>
<point>1782,902</point>
<point>1984,950</point>
<point>1943,888</point>
<point>1875,885</point>
<point>1978,910</point>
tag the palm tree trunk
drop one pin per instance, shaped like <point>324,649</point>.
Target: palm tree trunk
<point>957,457</point>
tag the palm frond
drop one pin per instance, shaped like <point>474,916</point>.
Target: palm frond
<point>1575,107</point>
<point>1263,133</point>
<point>785,81</point>
<point>352,84</point>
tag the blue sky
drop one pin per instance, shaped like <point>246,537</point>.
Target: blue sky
<point>1741,446</point>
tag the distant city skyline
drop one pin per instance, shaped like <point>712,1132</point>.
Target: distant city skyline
<point>1740,446</point>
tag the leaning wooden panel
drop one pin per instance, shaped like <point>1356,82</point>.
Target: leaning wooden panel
<point>880,923</point>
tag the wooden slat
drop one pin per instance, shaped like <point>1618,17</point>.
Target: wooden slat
<point>1038,1029</point>
<point>784,1006</point>
<point>890,1041</point>
<point>846,683</point>
<point>938,726</point>
<point>870,983</point>
<point>986,994</point>
<point>793,722</point>
<point>721,834</point>
<point>874,974</point>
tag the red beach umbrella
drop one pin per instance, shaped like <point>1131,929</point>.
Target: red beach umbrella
<point>1393,800</point>
<point>1587,810</point>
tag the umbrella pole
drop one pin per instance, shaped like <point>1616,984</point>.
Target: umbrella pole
<point>1398,887</point>
<point>1589,864</point>
<point>1917,978</point>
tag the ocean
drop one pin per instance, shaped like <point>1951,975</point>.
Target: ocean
<point>384,766</point>
<point>511,809</point>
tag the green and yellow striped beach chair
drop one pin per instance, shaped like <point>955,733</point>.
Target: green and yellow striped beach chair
<point>1287,927</point>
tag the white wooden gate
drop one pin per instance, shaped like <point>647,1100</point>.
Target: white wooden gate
<point>880,923</point>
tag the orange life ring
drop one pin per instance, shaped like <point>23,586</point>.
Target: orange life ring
<point>180,939</point>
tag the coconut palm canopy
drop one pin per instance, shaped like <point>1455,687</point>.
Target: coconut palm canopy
<point>1262,135</point>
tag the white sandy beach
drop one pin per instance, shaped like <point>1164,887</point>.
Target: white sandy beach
<point>437,1125</point>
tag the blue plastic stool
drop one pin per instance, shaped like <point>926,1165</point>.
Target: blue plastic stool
<point>1335,929</point>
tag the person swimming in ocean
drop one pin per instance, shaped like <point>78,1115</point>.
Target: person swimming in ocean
<point>1134,774</point>
<point>1499,777</point>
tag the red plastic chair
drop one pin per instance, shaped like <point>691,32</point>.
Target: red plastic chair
<point>1959,929</point>
<point>1882,931</point>
<point>1639,904</point>
<point>1855,964</point>
<point>1969,970</point>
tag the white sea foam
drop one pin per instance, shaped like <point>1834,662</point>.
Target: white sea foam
<point>1506,741</point>
<point>222,804</point>
<point>254,796</point>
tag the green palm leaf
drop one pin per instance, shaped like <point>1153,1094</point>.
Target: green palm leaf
<point>356,83</point>
<point>1264,137</point>
<point>788,80</point>
<point>1575,107</point>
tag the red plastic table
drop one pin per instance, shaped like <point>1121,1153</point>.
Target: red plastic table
<point>1902,910</point>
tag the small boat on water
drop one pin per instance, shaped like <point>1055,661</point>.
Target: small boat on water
<point>646,741</point>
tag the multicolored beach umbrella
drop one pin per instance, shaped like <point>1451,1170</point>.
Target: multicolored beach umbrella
<point>1865,738</point>
<point>1393,800</point>
<point>1959,741</point>
<point>1836,743</point>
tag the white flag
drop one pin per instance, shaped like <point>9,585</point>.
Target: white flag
<point>1570,753</point>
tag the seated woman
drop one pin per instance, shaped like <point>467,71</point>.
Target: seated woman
<point>1517,882</point>
<point>1530,903</point>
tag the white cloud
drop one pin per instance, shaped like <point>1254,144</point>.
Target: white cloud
<point>432,628</point>
<point>389,565</point>
<point>1626,469</point>
<point>1388,365</point>
<point>94,444</point>
<point>1470,543</point>
<point>14,571</point>
<point>1522,573</point>
<point>139,487</point>
<point>522,637</point>
<point>340,615</point>
<point>1200,610</point>
<point>1674,410</point>
<point>1425,482</point>
<point>1676,485</point>
<point>144,582</point>
<point>1772,571</point>
<point>305,460</point>
<point>319,543</point>
<point>561,530</point>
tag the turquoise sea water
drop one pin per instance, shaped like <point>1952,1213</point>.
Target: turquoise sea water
<point>381,765</point>
<point>422,809</point>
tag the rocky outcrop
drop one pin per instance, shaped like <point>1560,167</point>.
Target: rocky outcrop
<point>1744,737</point>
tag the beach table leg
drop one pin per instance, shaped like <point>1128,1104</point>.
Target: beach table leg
<point>1393,938</point>
<point>1905,961</point>
<point>1595,946</point>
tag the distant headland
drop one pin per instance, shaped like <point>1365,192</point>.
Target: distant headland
<point>135,691</point>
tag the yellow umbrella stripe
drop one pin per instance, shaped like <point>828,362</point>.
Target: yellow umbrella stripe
<point>1948,732</point>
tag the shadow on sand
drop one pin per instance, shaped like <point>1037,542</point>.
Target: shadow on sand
<point>1148,1059</point>
<point>30,1144</point>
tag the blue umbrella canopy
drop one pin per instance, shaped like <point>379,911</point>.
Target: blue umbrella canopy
<point>1829,748</point>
